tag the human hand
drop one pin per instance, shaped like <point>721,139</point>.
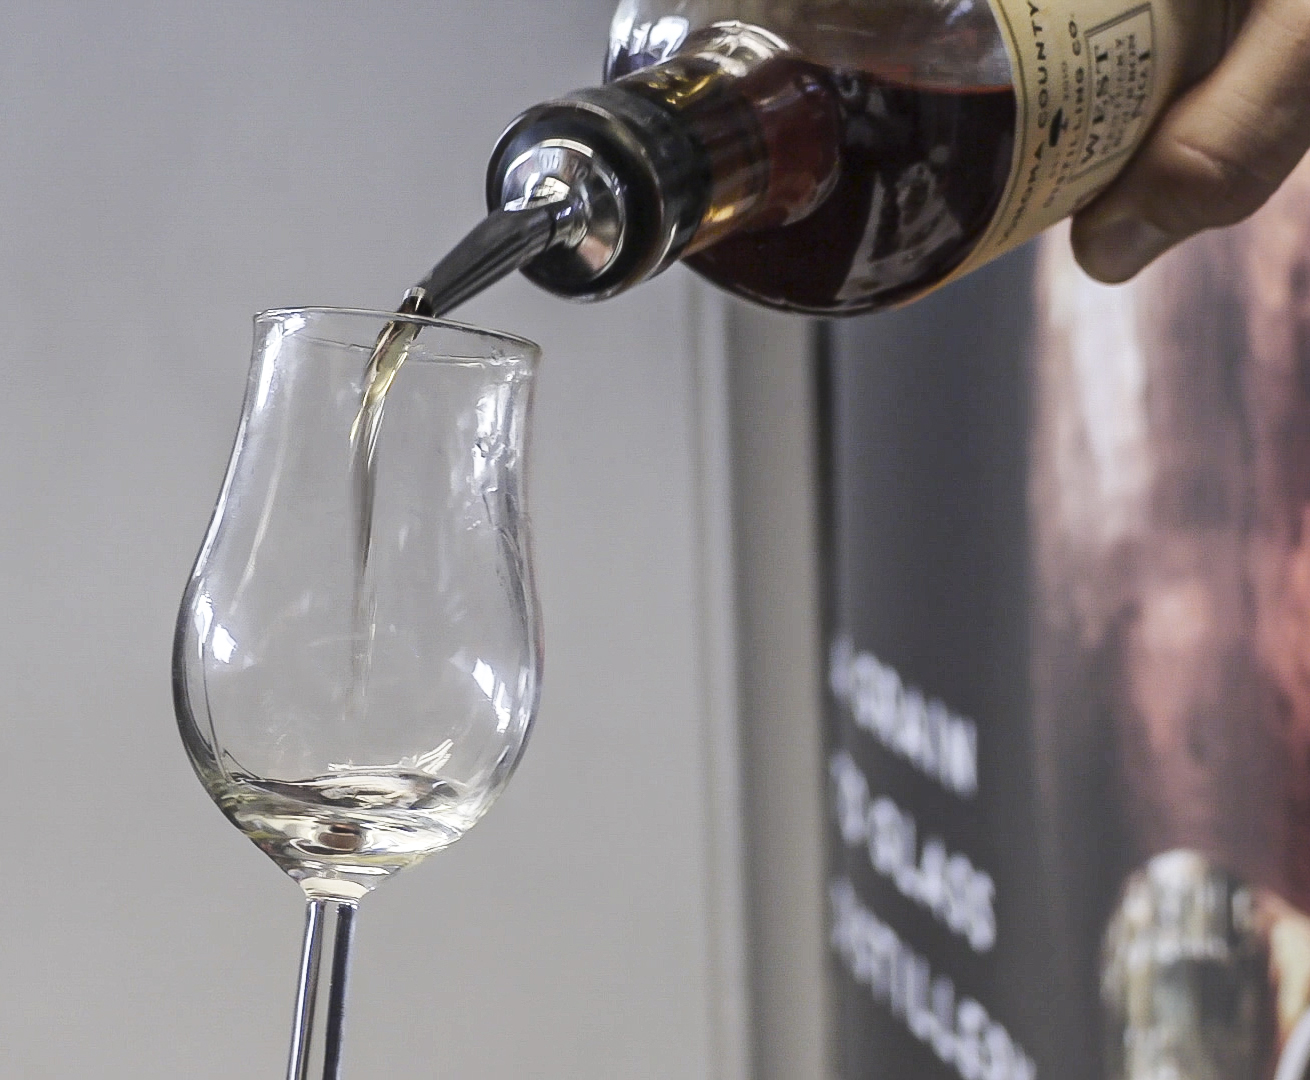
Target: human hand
<point>1216,155</point>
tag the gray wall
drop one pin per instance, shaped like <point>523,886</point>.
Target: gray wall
<point>776,475</point>
<point>165,171</point>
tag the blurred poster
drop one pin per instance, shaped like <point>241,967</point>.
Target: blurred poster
<point>1068,639</point>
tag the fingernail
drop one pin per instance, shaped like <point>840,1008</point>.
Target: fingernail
<point>1117,250</point>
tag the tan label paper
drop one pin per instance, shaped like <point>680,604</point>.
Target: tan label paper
<point>1090,76</point>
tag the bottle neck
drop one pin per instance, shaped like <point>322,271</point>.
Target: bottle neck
<point>731,134</point>
<point>766,122</point>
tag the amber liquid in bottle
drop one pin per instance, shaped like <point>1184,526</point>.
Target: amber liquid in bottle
<point>916,175</point>
<point>921,173</point>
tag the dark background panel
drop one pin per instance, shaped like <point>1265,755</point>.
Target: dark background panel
<point>926,431</point>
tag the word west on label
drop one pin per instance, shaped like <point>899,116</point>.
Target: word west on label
<point>959,1030</point>
<point>1088,86</point>
<point>923,731</point>
<point>948,885</point>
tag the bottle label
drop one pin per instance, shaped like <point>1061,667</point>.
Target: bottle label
<point>1090,77</point>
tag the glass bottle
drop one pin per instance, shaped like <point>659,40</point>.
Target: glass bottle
<point>836,156</point>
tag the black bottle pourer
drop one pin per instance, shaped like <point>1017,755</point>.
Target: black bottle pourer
<point>587,195</point>
<point>637,181</point>
<point>561,204</point>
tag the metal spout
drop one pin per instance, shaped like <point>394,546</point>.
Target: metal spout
<point>556,197</point>
<point>501,243</point>
<point>636,180</point>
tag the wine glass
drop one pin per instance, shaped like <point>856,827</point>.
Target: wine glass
<point>358,651</point>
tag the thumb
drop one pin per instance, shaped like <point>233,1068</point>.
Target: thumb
<point>1217,153</point>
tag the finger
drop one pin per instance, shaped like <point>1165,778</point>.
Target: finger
<point>1217,154</point>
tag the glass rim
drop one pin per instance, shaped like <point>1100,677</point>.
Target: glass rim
<point>531,348</point>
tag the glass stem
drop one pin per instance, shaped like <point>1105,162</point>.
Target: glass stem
<point>316,1034</point>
